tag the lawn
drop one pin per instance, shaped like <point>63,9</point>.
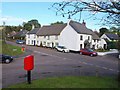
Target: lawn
<point>71,82</point>
<point>9,49</point>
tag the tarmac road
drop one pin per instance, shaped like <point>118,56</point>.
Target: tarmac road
<point>51,63</point>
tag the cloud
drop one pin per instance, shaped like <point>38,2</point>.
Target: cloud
<point>9,20</point>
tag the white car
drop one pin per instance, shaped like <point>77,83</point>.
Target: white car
<point>62,49</point>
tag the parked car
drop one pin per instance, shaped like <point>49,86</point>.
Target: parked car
<point>20,41</point>
<point>62,49</point>
<point>5,58</point>
<point>88,52</point>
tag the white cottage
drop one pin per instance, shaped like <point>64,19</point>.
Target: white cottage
<point>72,35</point>
<point>31,37</point>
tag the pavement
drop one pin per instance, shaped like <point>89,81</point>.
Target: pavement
<point>51,63</point>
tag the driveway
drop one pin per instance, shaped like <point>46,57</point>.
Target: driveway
<point>50,63</point>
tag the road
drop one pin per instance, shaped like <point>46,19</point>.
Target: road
<point>51,63</point>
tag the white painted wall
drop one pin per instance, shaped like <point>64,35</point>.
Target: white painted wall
<point>68,38</point>
<point>47,42</point>
<point>30,38</point>
<point>95,43</point>
<point>101,43</point>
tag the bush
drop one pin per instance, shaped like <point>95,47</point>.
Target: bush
<point>112,45</point>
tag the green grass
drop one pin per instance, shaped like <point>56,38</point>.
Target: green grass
<point>71,82</point>
<point>9,49</point>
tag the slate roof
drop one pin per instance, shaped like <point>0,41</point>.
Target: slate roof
<point>51,29</point>
<point>34,31</point>
<point>81,28</point>
<point>112,36</point>
<point>21,33</point>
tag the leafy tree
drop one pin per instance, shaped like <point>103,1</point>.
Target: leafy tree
<point>111,9</point>
<point>103,30</point>
<point>29,24</point>
<point>61,22</point>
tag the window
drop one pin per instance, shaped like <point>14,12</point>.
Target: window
<point>81,37</point>
<point>44,43</point>
<point>56,37</point>
<point>44,36</point>
<point>80,46</point>
<point>32,41</point>
<point>88,37</point>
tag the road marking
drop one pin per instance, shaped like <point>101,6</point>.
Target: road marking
<point>79,61</point>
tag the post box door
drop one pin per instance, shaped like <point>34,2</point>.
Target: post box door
<point>29,62</point>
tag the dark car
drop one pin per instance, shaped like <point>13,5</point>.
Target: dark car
<point>20,41</point>
<point>5,58</point>
<point>88,52</point>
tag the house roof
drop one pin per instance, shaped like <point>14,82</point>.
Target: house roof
<point>51,29</point>
<point>81,28</point>
<point>34,31</point>
<point>112,36</point>
<point>57,28</point>
<point>21,33</point>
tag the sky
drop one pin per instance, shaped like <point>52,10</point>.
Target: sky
<point>15,13</point>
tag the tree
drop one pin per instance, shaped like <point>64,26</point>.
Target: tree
<point>111,9</point>
<point>29,24</point>
<point>103,30</point>
<point>61,22</point>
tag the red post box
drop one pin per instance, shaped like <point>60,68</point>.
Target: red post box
<point>29,62</point>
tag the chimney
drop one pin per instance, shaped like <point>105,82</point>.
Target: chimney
<point>33,26</point>
<point>68,21</point>
<point>84,23</point>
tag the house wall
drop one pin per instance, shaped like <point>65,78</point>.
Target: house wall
<point>71,39</point>
<point>95,43</point>
<point>68,38</point>
<point>102,42</point>
<point>85,37</point>
<point>48,41</point>
<point>31,39</point>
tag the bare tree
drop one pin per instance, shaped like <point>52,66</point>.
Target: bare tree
<point>111,9</point>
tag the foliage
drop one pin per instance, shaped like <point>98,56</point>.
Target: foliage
<point>112,45</point>
<point>103,30</point>
<point>28,26</point>
<point>57,23</point>
<point>111,9</point>
<point>71,82</point>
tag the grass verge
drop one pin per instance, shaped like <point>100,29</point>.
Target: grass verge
<point>9,49</point>
<point>71,82</point>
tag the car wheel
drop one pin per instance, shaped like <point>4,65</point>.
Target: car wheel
<point>91,55</point>
<point>63,51</point>
<point>80,53</point>
<point>7,61</point>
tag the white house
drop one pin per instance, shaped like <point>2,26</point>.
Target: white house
<point>110,36</point>
<point>49,35</point>
<point>73,35</point>
<point>31,37</point>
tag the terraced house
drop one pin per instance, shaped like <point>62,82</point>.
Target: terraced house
<point>73,35</point>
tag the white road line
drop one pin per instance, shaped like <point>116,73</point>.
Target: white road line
<point>79,61</point>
